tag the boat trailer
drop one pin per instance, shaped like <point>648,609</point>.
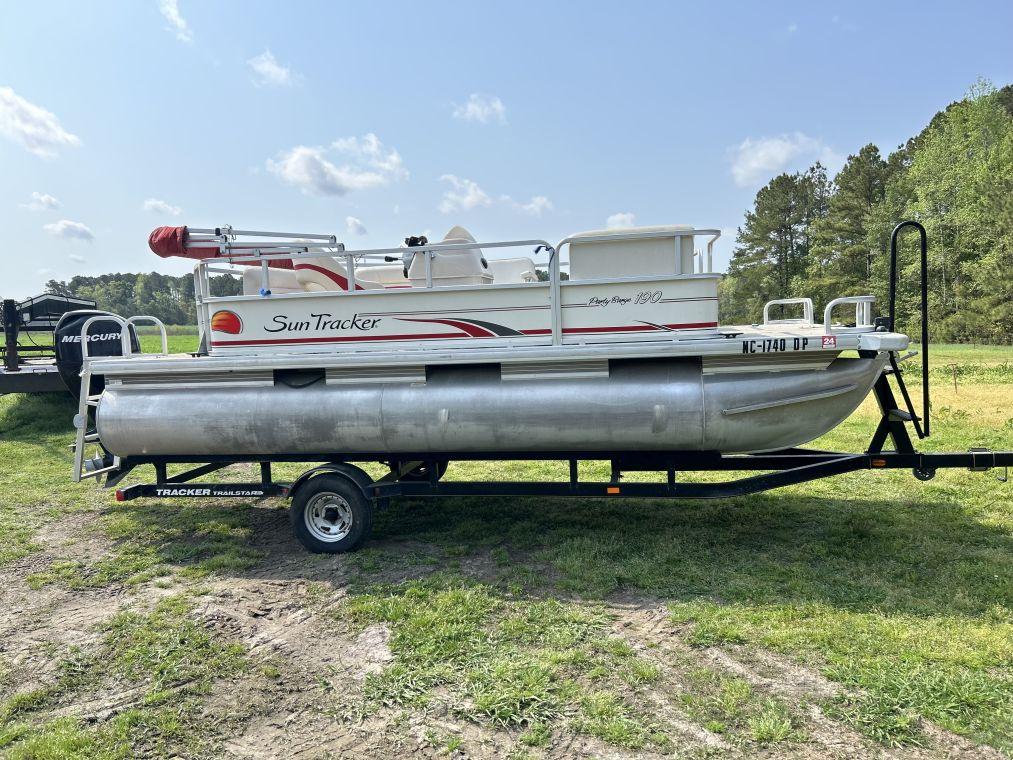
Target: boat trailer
<point>333,503</point>
<point>33,367</point>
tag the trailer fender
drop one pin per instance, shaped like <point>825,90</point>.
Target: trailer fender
<point>356,475</point>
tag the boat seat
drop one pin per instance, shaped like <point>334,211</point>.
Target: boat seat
<point>320,273</point>
<point>621,253</point>
<point>279,281</point>
<point>390,276</point>
<point>505,271</point>
<point>465,266</point>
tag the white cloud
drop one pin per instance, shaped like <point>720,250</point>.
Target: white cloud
<point>38,130</point>
<point>368,164</point>
<point>354,226</point>
<point>177,24</point>
<point>621,220</point>
<point>538,205</point>
<point>267,71</point>
<point>77,259</point>
<point>481,108</point>
<point>847,26</point>
<point>463,196</point>
<point>68,229</point>
<point>158,206</point>
<point>759,159</point>
<point>41,201</point>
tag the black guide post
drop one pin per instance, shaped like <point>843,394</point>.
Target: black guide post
<point>924,431</point>
<point>265,473</point>
<point>10,320</point>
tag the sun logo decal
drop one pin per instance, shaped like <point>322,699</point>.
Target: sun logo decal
<point>226,322</point>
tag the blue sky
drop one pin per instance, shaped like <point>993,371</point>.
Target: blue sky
<point>378,120</point>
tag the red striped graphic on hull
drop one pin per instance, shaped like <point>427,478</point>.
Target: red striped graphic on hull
<point>458,335</point>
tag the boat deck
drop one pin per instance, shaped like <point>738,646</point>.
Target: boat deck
<point>760,348</point>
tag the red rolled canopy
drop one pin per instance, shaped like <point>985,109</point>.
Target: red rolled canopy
<point>171,241</point>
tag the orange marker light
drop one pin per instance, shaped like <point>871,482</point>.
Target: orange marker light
<point>612,489</point>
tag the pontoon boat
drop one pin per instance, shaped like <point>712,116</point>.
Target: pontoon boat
<point>424,353</point>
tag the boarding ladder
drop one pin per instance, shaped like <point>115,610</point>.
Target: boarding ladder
<point>101,461</point>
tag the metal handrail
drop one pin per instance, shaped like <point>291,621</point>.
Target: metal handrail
<point>807,310</point>
<point>253,253</point>
<point>124,333</point>
<point>863,311</point>
<point>429,250</point>
<point>158,323</point>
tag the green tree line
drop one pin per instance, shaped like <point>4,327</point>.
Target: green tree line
<point>810,235</point>
<point>170,299</point>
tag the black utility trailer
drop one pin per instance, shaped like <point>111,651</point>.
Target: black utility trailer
<point>32,367</point>
<point>333,503</point>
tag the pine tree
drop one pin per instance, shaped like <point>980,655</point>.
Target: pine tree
<point>842,261</point>
<point>773,245</point>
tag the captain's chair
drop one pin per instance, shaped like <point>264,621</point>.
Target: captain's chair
<point>317,273</point>
<point>463,266</point>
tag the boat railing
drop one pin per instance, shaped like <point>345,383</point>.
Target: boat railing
<point>807,311</point>
<point>863,314</point>
<point>291,246</point>
<point>85,467</point>
<point>126,347</point>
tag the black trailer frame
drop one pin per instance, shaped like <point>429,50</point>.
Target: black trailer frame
<point>418,474</point>
<point>32,369</point>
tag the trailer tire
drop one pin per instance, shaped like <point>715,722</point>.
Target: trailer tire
<point>330,515</point>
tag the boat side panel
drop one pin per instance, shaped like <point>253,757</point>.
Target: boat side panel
<point>626,310</point>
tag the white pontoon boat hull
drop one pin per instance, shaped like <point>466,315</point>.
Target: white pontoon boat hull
<point>633,404</point>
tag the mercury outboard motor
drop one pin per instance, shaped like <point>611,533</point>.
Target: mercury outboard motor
<point>103,340</point>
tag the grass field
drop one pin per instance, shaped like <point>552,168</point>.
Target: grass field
<point>848,617</point>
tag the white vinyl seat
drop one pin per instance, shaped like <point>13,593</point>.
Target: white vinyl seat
<point>279,281</point>
<point>464,266</point>
<point>390,276</point>
<point>322,273</point>
<point>505,271</point>
<point>667,251</point>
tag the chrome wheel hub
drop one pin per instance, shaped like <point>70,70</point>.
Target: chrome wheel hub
<point>328,517</point>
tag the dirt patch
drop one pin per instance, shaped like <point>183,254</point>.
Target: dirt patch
<point>647,626</point>
<point>301,694</point>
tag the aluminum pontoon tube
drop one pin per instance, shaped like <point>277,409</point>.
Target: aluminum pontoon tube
<point>663,405</point>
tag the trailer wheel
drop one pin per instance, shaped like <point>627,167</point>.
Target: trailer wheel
<point>330,515</point>
<point>924,474</point>
<point>421,473</point>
